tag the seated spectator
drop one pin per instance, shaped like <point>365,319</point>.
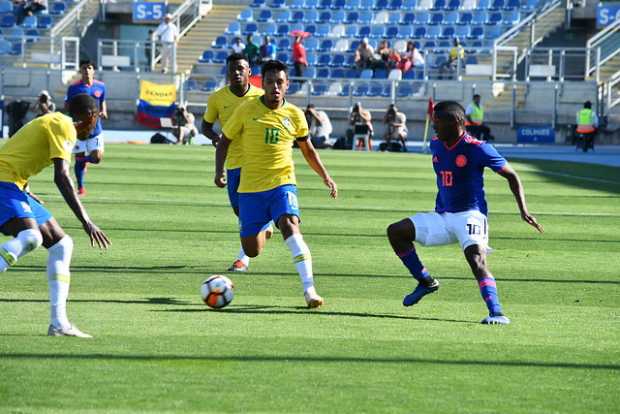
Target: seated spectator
<point>395,128</point>
<point>267,50</point>
<point>361,121</point>
<point>238,46</point>
<point>384,53</point>
<point>34,7</point>
<point>410,58</point>
<point>393,61</point>
<point>474,124</point>
<point>320,127</point>
<point>44,104</point>
<point>364,55</point>
<point>185,126</point>
<point>251,51</point>
<point>456,57</point>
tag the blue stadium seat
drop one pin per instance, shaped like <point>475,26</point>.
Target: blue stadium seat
<point>380,4</point>
<point>338,73</point>
<point>337,60</point>
<point>269,29</point>
<point>391,32</point>
<point>29,22</point>
<point>360,89</point>
<point>310,72</point>
<point>44,21</point>
<point>476,32</point>
<point>296,26</point>
<point>293,88</point>
<point>351,30</point>
<point>58,8</point>
<point>311,44</point>
<point>448,32</point>
<point>283,30</point>
<point>350,60</point>
<point>433,32</point>
<point>220,56</point>
<point>6,7</point>
<point>220,42</point>
<point>374,90</point>
<point>246,15</point>
<point>454,5</point>
<point>296,4</point>
<point>497,5</point>
<point>353,17</point>
<point>408,18</point>
<point>352,4</point>
<point>483,4</point>
<point>394,18</point>
<point>234,28</point>
<point>325,16</point>
<point>322,73</point>
<point>461,31</point>
<point>410,74</point>
<point>311,16</point>
<point>324,4</point>
<point>480,17</point>
<point>284,57</point>
<point>209,85</point>
<point>282,16</point>
<point>471,60</point>
<point>451,17</point>
<point>493,31</point>
<point>354,45</point>
<point>365,16</point>
<point>395,4</point>
<point>297,16</point>
<point>5,47</point>
<point>311,4</point>
<point>422,17</point>
<point>284,43</point>
<point>512,17</point>
<point>250,28</point>
<point>366,74</point>
<point>346,89</point>
<point>439,5</point>
<point>322,30</point>
<point>324,59</point>
<point>326,45</point>
<point>430,44</point>
<point>380,74</point>
<point>319,88</point>
<point>338,16</point>
<point>513,4</point>
<point>466,18</point>
<point>444,44</point>
<point>310,28</point>
<point>311,58</point>
<point>404,89</point>
<point>190,85</point>
<point>405,32</point>
<point>7,20</point>
<point>377,31</point>
<point>495,18</point>
<point>364,31</point>
<point>410,4</point>
<point>352,73</point>
<point>16,49</point>
<point>366,4</point>
<point>257,3</point>
<point>436,18</point>
<point>276,4</point>
<point>338,4</point>
<point>420,32</point>
<point>32,35</point>
<point>207,56</point>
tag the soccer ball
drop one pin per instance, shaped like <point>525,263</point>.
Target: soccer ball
<point>217,291</point>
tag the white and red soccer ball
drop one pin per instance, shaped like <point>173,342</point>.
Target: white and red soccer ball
<point>217,291</point>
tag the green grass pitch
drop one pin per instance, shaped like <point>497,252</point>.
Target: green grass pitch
<point>158,349</point>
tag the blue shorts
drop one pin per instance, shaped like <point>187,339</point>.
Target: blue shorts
<point>232,185</point>
<point>15,203</point>
<point>256,210</point>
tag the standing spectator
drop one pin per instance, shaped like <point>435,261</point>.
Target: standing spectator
<point>361,121</point>
<point>395,128</point>
<point>168,34</point>
<point>475,120</point>
<point>267,50</point>
<point>185,128</point>
<point>364,55</point>
<point>251,50</point>
<point>320,127</point>
<point>238,46</point>
<point>16,112</point>
<point>300,61</point>
<point>410,58</point>
<point>148,47</point>
<point>44,104</point>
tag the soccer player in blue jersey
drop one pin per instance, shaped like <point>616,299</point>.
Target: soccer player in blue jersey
<point>460,208</point>
<point>90,150</point>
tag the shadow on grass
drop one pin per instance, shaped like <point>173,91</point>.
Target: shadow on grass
<point>193,270</point>
<point>146,301</point>
<point>309,359</point>
<point>302,310</point>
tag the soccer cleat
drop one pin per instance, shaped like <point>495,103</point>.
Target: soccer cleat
<point>313,300</point>
<point>495,319</point>
<point>238,266</point>
<point>419,292</point>
<point>71,331</point>
<point>81,191</point>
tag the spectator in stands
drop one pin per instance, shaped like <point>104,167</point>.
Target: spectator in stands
<point>320,127</point>
<point>364,55</point>
<point>410,58</point>
<point>587,124</point>
<point>185,126</point>
<point>34,7</point>
<point>394,58</point>
<point>16,111</point>
<point>475,120</point>
<point>251,50</point>
<point>45,105</point>
<point>238,46</point>
<point>395,128</point>
<point>148,47</point>
<point>267,50</point>
<point>456,57</point>
<point>361,121</point>
<point>300,60</point>
<point>168,34</point>
<point>18,10</point>
<point>384,54</point>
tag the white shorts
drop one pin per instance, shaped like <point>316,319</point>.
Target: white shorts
<point>467,227</point>
<point>89,145</point>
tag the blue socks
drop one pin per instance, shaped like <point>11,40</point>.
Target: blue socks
<point>488,291</point>
<point>411,260</point>
<point>80,168</point>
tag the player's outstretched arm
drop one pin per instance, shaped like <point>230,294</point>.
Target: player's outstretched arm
<point>314,161</point>
<point>220,158</point>
<point>517,190</point>
<point>65,186</point>
<point>207,131</point>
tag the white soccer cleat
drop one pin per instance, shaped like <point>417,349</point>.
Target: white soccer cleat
<point>313,300</point>
<point>495,320</point>
<point>72,330</point>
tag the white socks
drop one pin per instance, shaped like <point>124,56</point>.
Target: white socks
<point>301,259</point>
<point>59,279</point>
<point>245,259</point>
<point>26,241</point>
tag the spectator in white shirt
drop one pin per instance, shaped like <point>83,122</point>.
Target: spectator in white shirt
<point>238,46</point>
<point>320,127</point>
<point>168,34</point>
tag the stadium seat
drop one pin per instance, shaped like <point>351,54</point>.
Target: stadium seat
<point>319,88</point>
<point>322,30</point>
<point>297,16</point>
<point>365,16</point>
<point>44,21</point>
<point>285,57</point>
<point>250,28</point>
<point>354,45</point>
<point>246,15</point>
<point>480,17</point>
<point>6,7</point>
<point>377,31</point>
<point>451,17</point>
<point>497,5</point>
<point>296,4</point>
<point>493,31</point>
<point>58,8</point>
<point>461,31</point>
<point>16,49</point>
<point>346,89</point>
<point>190,85</point>
<point>468,5</point>
<point>342,45</point>
<point>439,5</point>
<point>310,72</point>
<point>471,60</point>
<point>453,5</point>
<point>220,42</point>
<point>410,4</point>
<point>366,74</point>
<point>338,4</point>
<point>220,56</point>
<point>483,4</point>
<point>360,89</point>
<point>5,47</point>
<point>425,4</point>
<point>339,30</point>
<point>311,44</point>
<point>495,18</point>
<point>433,32</point>
<point>375,89</point>
<point>257,3</point>
<point>436,18</point>
<point>513,4</point>
<point>311,4</point>
<point>269,29</point>
<point>395,5</point>
<point>206,57</point>
<point>448,32</point>
<point>283,29</point>
<point>284,43</point>
<point>209,85</point>
<point>353,17</point>
<point>419,32</point>
<point>352,73</point>
<point>380,4</point>
<point>326,45</point>
<point>324,59</point>
<point>310,28</point>
<point>338,73</point>
<point>366,4</point>
<point>408,18</point>
<point>352,4</point>
<point>511,17</point>
<point>311,16</point>
<point>234,28</point>
<point>364,31</point>
<point>29,22</point>
<point>422,17</point>
<point>381,17</point>
<point>322,73</point>
<point>276,4</point>
<point>337,60</point>
<point>476,32</point>
<point>391,32</point>
<point>296,26</point>
<point>465,18</point>
<point>324,4</point>
<point>325,16</point>
<point>334,89</point>
<point>7,20</point>
<point>282,16</point>
<point>293,88</point>
<point>338,16</point>
<point>351,30</point>
<point>311,58</point>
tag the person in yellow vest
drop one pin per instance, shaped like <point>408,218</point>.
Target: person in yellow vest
<point>475,120</point>
<point>587,123</point>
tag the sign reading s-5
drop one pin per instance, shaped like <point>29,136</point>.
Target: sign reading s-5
<point>606,13</point>
<point>146,11</point>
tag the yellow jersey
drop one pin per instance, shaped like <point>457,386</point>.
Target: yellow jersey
<point>34,147</point>
<point>220,106</point>
<point>266,138</point>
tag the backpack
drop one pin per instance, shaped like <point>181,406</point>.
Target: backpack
<point>159,138</point>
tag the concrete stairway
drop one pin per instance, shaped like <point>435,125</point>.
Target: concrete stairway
<point>200,36</point>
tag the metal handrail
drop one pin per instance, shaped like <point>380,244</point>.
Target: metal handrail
<point>510,34</point>
<point>613,81</point>
<point>594,44</point>
<point>73,14</point>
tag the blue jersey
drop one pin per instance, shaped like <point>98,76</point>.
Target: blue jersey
<point>96,90</point>
<point>459,172</point>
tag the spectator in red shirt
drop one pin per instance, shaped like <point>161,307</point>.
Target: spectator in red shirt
<point>299,57</point>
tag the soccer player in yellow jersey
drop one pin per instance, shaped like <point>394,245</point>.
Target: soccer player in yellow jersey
<point>220,107</point>
<point>44,141</point>
<point>266,128</point>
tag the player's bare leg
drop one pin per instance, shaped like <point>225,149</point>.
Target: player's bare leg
<point>401,236</point>
<point>242,262</point>
<point>476,257</point>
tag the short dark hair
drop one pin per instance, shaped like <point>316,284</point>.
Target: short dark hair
<point>274,66</point>
<point>87,62</point>
<point>235,57</point>
<point>587,104</point>
<point>476,96</point>
<point>82,104</point>
<point>451,109</point>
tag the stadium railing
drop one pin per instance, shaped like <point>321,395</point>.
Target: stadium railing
<point>602,47</point>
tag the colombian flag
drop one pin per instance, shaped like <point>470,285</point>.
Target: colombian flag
<point>156,101</point>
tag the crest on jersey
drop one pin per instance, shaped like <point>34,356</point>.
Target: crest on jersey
<point>460,161</point>
<point>287,124</point>
<point>435,159</point>
<point>97,94</point>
